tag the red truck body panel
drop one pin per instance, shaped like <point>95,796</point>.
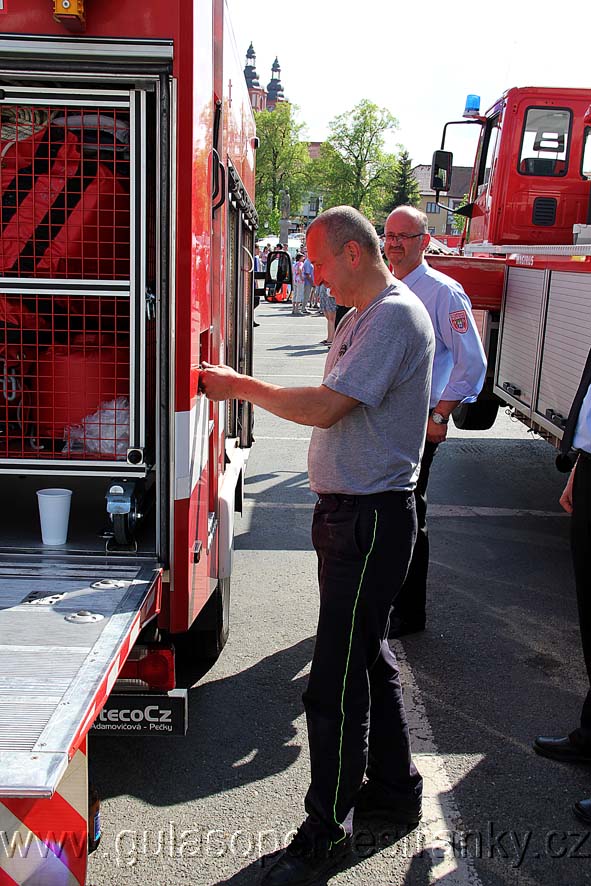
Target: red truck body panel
<point>205,69</point>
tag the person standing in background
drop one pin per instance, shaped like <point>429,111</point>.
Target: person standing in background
<point>298,286</point>
<point>328,306</point>
<point>459,370</point>
<point>576,500</point>
<point>308,283</point>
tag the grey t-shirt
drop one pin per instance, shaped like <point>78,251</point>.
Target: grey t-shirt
<point>381,357</point>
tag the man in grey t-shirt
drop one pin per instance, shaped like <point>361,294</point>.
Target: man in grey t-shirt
<point>369,417</point>
<point>376,357</point>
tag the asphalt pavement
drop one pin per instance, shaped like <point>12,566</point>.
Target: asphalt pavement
<point>499,663</point>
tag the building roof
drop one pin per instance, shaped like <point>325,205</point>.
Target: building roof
<point>460,180</point>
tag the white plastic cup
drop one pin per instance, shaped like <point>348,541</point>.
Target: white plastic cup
<point>54,513</point>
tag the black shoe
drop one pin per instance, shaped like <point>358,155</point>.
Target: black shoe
<point>399,627</point>
<point>561,749</point>
<point>582,809</point>
<point>370,805</point>
<point>256,324</point>
<point>302,864</point>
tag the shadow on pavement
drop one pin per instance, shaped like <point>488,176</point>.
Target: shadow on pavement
<point>231,740</point>
<point>366,842</point>
<point>500,663</point>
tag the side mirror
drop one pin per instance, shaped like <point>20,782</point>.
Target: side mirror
<point>278,269</point>
<point>441,170</point>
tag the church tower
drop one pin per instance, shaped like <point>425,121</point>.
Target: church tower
<point>258,96</point>
<point>274,88</point>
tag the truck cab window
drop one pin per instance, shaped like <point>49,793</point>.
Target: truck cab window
<point>545,142</point>
<point>586,163</point>
<point>489,148</point>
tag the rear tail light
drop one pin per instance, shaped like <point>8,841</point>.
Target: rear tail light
<point>153,665</point>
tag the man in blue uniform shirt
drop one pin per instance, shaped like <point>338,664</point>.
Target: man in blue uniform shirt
<point>459,370</point>
<point>576,500</point>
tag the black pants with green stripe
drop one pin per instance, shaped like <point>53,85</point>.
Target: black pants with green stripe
<point>353,701</point>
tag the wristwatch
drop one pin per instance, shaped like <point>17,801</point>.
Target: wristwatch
<point>439,419</point>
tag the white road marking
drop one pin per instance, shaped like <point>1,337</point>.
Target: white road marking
<point>301,439</point>
<point>439,835</point>
<point>434,510</point>
<point>292,375</point>
<point>467,511</point>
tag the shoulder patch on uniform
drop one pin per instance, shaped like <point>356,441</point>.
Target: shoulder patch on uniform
<point>459,321</point>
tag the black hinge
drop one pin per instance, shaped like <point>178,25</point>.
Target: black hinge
<point>511,389</point>
<point>556,418</point>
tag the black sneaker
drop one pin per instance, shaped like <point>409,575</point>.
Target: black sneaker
<point>302,863</point>
<point>371,804</point>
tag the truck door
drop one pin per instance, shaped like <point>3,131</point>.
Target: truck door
<point>239,300</point>
<point>480,224</point>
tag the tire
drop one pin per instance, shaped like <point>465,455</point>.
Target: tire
<point>479,416</point>
<point>208,634</point>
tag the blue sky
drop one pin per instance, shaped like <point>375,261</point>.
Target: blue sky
<point>418,60</point>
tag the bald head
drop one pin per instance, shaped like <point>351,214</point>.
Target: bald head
<point>406,237</point>
<point>417,219</point>
<point>343,224</point>
<point>344,248</point>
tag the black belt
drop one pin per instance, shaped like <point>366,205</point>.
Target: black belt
<point>336,498</point>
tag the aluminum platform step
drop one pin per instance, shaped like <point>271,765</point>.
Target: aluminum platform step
<point>64,637</point>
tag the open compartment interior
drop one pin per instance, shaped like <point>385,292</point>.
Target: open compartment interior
<point>91,531</point>
<point>78,308</point>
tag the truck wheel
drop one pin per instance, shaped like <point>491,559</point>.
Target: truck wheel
<point>212,638</point>
<point>208,634</point>
<point>479,416</point>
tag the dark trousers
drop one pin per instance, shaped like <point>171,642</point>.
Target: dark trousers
<point>581,554</point>
<point>411,603</point>
<point>354,708</point>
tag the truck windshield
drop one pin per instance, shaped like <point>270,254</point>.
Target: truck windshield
<point>545,142</point>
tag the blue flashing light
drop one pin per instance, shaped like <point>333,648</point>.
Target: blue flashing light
<point>472,106</point>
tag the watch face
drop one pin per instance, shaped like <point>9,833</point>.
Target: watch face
<point>438,419</point>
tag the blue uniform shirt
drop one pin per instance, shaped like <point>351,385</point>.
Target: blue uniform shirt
<point>582,438</point>
<point>459,365</point>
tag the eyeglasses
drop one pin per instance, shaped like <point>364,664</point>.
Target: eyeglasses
<point>400,238</point>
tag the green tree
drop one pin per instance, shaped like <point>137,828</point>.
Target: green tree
<point>281,164</point>
<point>353,167</point>
<point>405,187</point>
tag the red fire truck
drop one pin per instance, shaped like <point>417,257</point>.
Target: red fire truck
<point>127,150</point>
<point>527,255</point>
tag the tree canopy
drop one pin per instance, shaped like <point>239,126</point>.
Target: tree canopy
<point>353,167</point>
<point>405,187</point>
<point>282,163</point>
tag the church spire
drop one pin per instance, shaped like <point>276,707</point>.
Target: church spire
<point>250,73</point>
<point>274,88</point>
